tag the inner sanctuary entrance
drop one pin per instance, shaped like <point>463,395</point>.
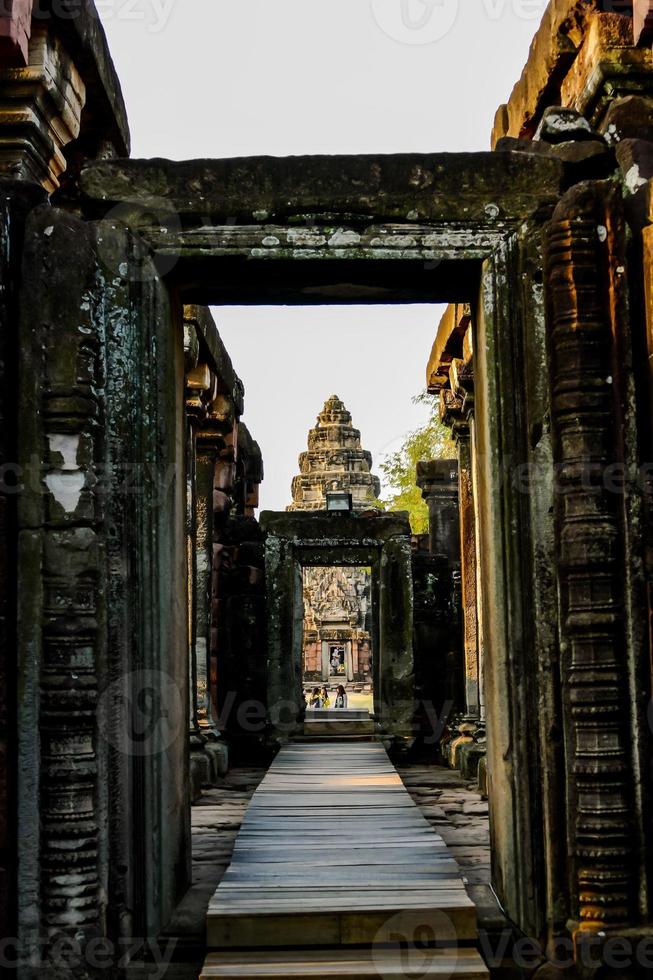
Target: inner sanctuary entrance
<point>337,645</point>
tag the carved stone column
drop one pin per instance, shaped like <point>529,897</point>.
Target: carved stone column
<point>584,263</point>
<point>208,447</point>
<point>468,574</point>
<point>459,415</point>
<point>201,391</point>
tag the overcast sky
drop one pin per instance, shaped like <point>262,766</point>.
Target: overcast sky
<point>216,78</point>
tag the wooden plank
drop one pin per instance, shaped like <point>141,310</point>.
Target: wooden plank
<point>336,964</point>
<point>334,851</point>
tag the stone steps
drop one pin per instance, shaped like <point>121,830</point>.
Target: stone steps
<point>338,723</point>
<point>339,964</point>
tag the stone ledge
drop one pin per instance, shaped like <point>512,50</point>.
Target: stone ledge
<point>87,43</point>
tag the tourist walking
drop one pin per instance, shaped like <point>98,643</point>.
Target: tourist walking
<point>326,700</point>
<point>341,697</point>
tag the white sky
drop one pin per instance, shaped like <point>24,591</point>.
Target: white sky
<point>219,78</point>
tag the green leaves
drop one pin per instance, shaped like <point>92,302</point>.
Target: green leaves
<point>430,442</point>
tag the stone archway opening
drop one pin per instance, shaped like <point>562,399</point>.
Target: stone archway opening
<point>322,230</point>
<point>337,643</point>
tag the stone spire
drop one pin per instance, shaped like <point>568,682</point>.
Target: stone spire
<point>335,461</point>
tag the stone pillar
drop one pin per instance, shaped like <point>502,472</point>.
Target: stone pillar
<point>438,481</point>
<point>468,573</point>
<point>587,322</point>
<point>212,409</point>
<point>456,385</point>
<point>476,611</point>
<point>205,472</point>
<point>459,415</point>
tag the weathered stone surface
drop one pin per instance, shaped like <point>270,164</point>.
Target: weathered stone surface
<point>590,160</point>
<point>17,200</point>
<point>514,144</point>
<point>630,117</point>
<point>402,187</point>
<point>643,22</point>
<point>79,25</point>
<point>552,53</point>
<point>206,327</point>
<point>447,345</point>
<point>589,517</point>
<point>15,29</point>
<point>60,101</point>
<point>335,461</point>
<point>40,111</point>
<point>607,65</point>
<point>560,124</point>
<point>438,481</point>
<point>635,159</point>
<point>582,57</point>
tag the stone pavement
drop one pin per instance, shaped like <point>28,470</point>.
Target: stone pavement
<point>459,814</point>
<point>215,821</point>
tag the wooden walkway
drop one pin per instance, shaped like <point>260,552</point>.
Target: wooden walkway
<point>334,854</point>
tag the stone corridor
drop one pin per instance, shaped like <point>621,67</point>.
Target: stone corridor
<point>151,619</point>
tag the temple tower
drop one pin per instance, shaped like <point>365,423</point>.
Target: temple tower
<point>337,601</point>
<point>335,461</point>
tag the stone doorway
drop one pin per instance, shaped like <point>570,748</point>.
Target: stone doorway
<point>337,640</point>
<point>302,546</point>
<point>320,230</point>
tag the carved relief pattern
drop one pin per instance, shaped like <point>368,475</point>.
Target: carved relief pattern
<point>588,517</point>
<point>69,344</point>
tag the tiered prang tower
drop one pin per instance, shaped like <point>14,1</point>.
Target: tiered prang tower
<point>337,607</point>
<point>335,461</point>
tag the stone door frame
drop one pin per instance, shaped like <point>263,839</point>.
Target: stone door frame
<point>405,228</point>
<point>297,540</point>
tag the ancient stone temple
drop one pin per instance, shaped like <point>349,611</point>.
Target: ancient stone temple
<point>337,613</point>
<point>335,461</point>
<point>152,626</point>
<point>337,625</point>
